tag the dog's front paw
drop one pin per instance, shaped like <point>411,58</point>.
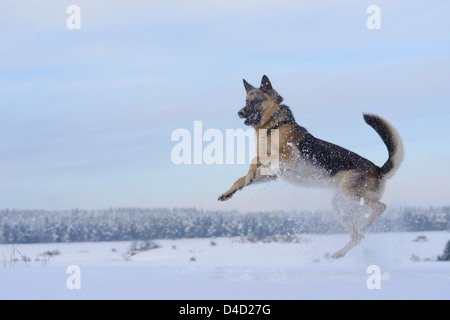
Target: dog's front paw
<point>225,196</point>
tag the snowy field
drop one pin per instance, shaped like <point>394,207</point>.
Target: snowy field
<point>229,268</point>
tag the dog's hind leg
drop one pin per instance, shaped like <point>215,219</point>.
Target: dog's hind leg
<point>377,208</point>
<point>350,245</point>
<point>356,231</point>
<point>350,222</point>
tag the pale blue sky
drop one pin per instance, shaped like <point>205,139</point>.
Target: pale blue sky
<point>86,115</point>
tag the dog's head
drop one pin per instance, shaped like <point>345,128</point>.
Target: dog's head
<point>258,102</point>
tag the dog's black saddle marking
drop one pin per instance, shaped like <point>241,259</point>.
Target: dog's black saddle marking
<point>329,156</point>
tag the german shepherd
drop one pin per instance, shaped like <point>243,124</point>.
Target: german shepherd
<point>305,159</point>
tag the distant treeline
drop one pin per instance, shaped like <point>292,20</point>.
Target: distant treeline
<point>117,224</point>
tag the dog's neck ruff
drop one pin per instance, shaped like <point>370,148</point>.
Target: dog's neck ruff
<point>279,124</point>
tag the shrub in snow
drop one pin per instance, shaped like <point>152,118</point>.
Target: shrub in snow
<point>140,246</point>
<point>421,239</point>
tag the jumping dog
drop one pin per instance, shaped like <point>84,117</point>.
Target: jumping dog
<point>307,160</point>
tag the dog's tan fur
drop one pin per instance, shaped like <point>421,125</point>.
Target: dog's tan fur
<point>306,160</point>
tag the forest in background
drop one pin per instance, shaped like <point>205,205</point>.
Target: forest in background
<point>122,224</point>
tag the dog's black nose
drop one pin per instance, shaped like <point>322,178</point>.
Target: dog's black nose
<point>241,114</point>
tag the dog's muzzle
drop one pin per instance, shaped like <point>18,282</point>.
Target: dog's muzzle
<point>250,115</point>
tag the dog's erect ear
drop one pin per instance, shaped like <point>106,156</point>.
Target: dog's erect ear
<point>266,86</point>
<point>248,86</point>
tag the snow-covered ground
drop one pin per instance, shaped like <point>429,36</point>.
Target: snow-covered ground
<point>231,269</point>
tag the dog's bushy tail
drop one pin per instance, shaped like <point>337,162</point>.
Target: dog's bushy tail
<point>391,139</point>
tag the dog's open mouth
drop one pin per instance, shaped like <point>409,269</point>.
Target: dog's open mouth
<point>253,118</point>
